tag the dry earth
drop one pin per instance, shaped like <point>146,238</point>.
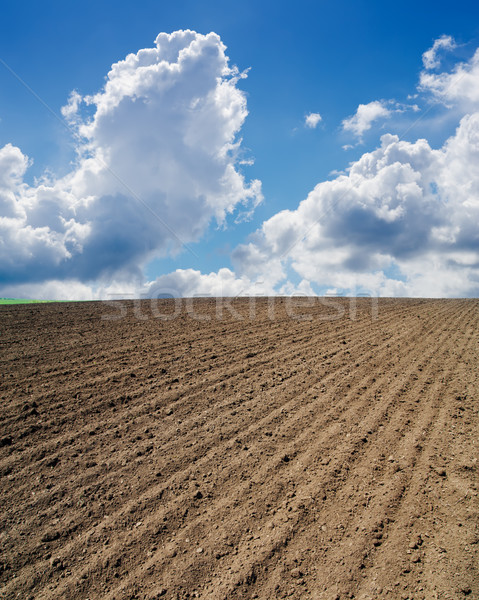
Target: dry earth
<point>225,457</point>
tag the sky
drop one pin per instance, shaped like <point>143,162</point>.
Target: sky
<point>218,148</point>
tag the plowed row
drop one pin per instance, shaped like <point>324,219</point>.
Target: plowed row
<point>240,449</point>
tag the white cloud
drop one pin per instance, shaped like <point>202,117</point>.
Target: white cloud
<point>70,110</point>
<point>157,163</point>
<point>430,58</point>
<point>13,165</point>
<point>181,283</point>
<point>69,289</point>
<point>460,86</point>
<point>312,120</point>
<point>190,282</point>
<point>364,117</point>
<point>403,221</point>
<point>187,283</point>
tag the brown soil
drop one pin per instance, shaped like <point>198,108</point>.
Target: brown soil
<point>224,458</point>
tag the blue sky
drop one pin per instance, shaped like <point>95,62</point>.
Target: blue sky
<point>304,57</point>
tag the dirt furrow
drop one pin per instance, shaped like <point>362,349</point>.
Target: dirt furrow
<point>54,443</point>
<point>272,458</point>
<point>183,499</point>
<point>187,426</point>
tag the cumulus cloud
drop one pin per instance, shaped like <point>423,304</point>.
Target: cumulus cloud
<point>401,221</point>
<point>71,109</point>
<point>430,58</point>
<point>157,161</point>
<point>187,283</point>
<point>364,117</point>
<point>68,289</point>
<point>312,120</point>
<point>404,208</point>
<point>184,283</point>
<point>459,86</point>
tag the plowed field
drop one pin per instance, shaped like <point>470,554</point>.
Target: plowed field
<point>240,450</point>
